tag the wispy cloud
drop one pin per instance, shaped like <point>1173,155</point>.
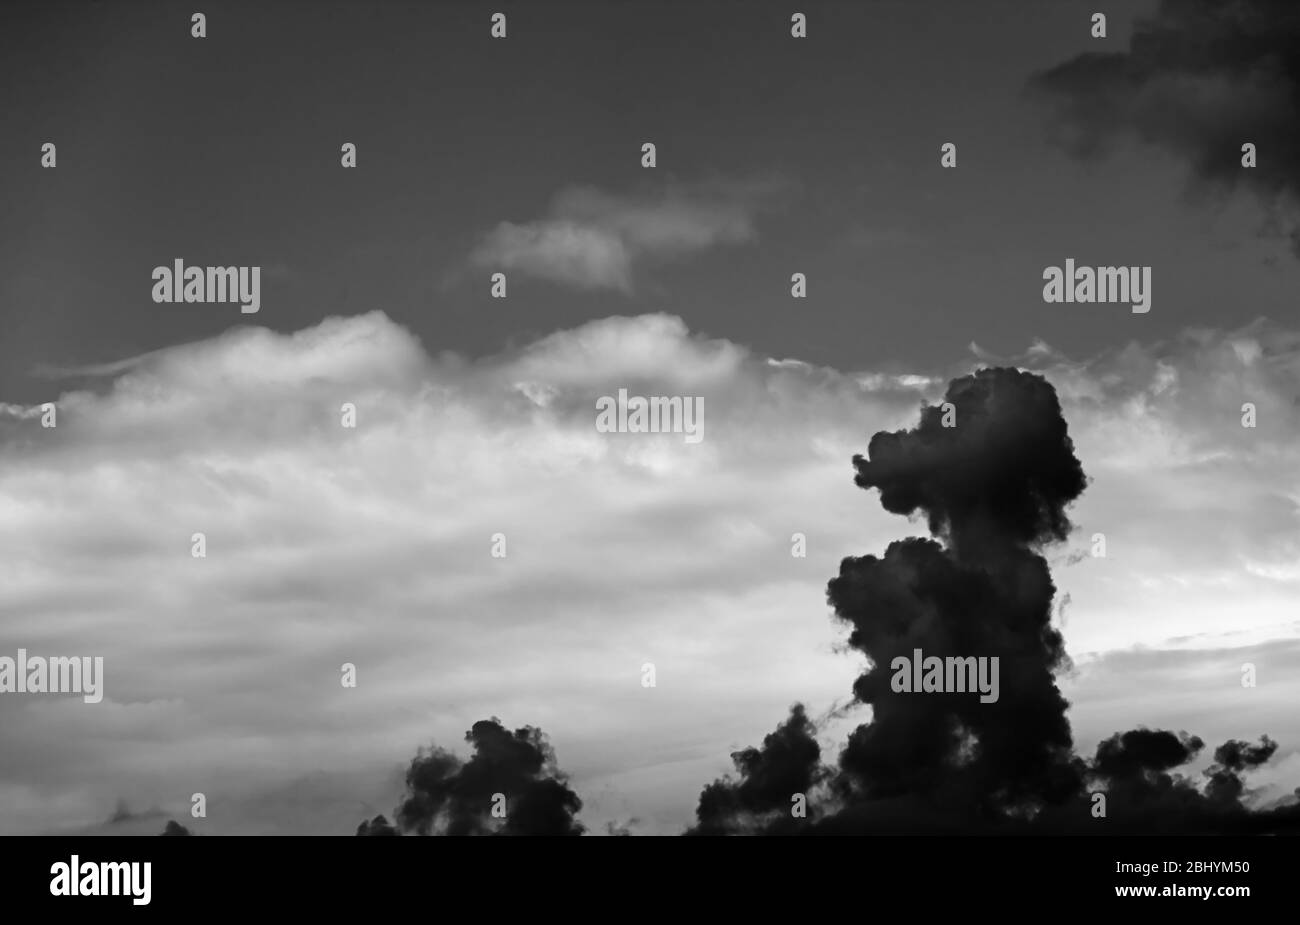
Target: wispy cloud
<point>591,239</point>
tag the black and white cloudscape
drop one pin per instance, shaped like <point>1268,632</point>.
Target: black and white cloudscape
<point>335,341</point>
<point>993,493</point>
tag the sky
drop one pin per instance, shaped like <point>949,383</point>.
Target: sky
<point>226,149</point>
<point>372,545</point>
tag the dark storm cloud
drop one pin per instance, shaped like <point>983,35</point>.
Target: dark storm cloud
<point>1199,79</point>
<point>1136,771</point>
<point>789,763</point>
<point>174,828</point>
<point>1237,756</point>
<point>993,482</point>
<point>995,486</point>
<point>1225,783</point>
<point>448,796</point>
<point>1144,750</point>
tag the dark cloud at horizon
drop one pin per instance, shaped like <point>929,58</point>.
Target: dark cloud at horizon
<point>378,826</point>
<point>514,771</point>
<point>788,763</point>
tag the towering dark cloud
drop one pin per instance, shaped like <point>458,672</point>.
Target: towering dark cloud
<point>514,771</point>
<point>1199,79</point>
<point>992,469</point>
<point>994,482</point>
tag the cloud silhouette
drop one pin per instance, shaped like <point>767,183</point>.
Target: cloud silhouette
<point>994,482</point>
<point>509,786</point>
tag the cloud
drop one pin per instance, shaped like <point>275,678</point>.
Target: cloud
<point>593,240</point>
<point>373,546</point>
<point>1199,79</point>
<point>994,484</point>
<point>788,764</point>
<point>509,786</point>
<point>378,826</point>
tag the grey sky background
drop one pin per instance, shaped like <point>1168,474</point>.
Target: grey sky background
<point>227,150</point>
<point>774,156</point>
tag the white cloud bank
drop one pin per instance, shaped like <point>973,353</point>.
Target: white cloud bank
<point>372,546</point>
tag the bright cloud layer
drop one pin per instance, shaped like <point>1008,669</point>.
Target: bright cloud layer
<point>372,546</point>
